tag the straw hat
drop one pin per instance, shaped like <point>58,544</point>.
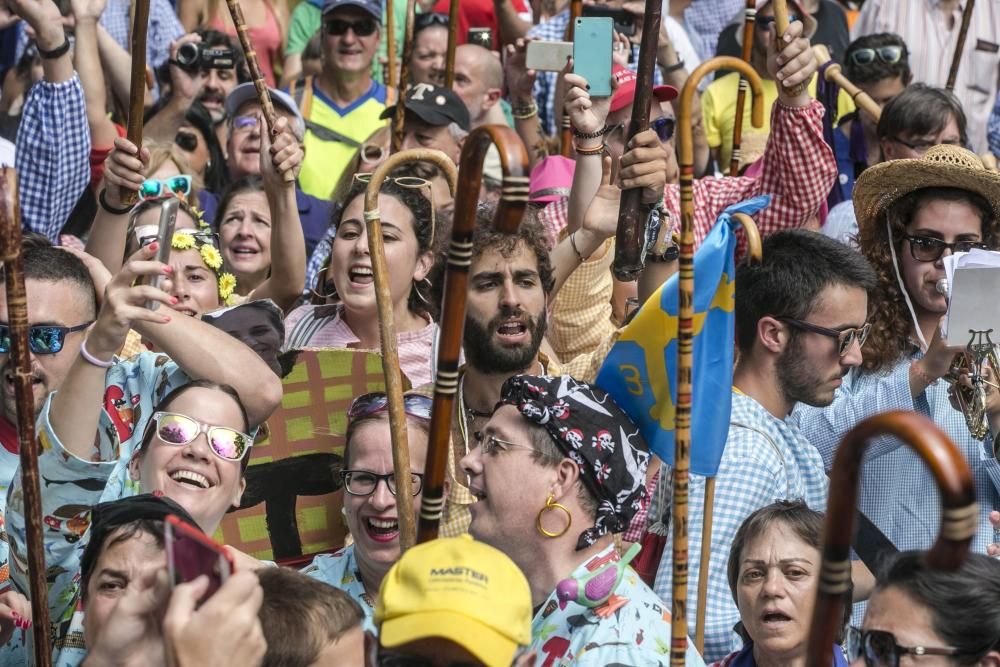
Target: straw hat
<point>943,166</point>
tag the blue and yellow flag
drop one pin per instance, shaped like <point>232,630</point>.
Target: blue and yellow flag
<point>640,371</point>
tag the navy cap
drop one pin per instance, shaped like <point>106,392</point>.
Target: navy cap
<point>373,7</point>
<point>434,105</point>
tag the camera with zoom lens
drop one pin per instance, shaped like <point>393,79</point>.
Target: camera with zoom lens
<point>192,57</point>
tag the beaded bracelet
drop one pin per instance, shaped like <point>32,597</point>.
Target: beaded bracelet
<point>525,112</point>
<point>596,150</point>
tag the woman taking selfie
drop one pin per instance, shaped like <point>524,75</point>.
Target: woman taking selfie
<point>370,497</point>
<point>349,316</point>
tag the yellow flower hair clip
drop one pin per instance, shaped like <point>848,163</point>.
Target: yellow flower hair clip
<point>182,241</point>
<point>227,285</point>
<point>211,256</point>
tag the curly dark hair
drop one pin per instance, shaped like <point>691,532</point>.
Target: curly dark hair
<point>887,311</point>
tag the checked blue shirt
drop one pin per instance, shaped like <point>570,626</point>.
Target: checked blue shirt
<point>53,155</point>
<point>765,460</point>
<point>554,30</point>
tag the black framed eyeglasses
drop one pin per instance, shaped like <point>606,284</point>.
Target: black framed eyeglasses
<point>42,338</point>
<point>364,482</point>
<point>880,649</point>
<point>845,337</point>
<point>361,28</point>
<point>930,249</point>
<point>890,55</point>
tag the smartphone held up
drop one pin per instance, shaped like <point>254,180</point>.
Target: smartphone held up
<point>593,39</point>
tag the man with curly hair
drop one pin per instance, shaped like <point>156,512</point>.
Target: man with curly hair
<point>911,213</point>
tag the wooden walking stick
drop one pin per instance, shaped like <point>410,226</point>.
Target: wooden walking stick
<point>959,514</point>
<point>399,116</point>
<point>24,397</point>
<point>956,59</point>
<point>513,200</point>
<point>833,74</point>
<point>685,338</point>
<point>259,82</point>
<point>780,26</point>
<point>631,233</point>
<point>741,95</point>
<point>566,130</point>
<point>390,44</point>
<point>755,254</point>
<point>387,329</point>
<point>449,60</point>
<point>137,85</point>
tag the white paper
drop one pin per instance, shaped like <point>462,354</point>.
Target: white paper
<point>973,303</point>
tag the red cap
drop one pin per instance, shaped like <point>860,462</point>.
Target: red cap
<point>625,92</point>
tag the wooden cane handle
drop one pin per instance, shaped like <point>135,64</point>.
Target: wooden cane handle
<point>780,26</point>
<point>449,61</point>
<point>137,87</point>
<point>959,513</point>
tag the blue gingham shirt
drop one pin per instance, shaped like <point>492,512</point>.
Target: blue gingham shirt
<point>53,155</point>
<point>897,492</point>
<point>765,460</point>
<point>993,128</point>
<point>708,19</point>
<point>318,258</point>
<point>554,30</point>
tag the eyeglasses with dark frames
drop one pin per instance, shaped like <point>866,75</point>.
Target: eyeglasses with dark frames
<point>361,28</point>
<point>880,649</point>
<point>364,482</point>
<point>890,55</point>
<point>845,337</point>
<point>42,338</point>
<point>930,249</point>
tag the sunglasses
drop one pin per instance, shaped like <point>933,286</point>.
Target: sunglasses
<point>176,429</point>
<point>362,28</point>
<point>845,337</point>
<point>879,648</point>
<point>421,21</point>
<point>154,188</point>
<point>186,141</point>
<point>930,249</point>
<point>146,234</point>
<point>663,126</point>
<point>364,482</point>
<point>765,22</point>
<point>890,55</point>
<point>415,405</point>
<point>42,338</point>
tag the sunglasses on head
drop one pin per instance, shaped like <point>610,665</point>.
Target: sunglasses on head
<point>890,55</point>
<point>421,21</point>
<point>186,141</point>
<point>415,405</point>
<point>361,28</point>
<point>42,338</point>
<point>154,188</point>
<point>765,22</point>
<point>879,648</point>
<point>177,429</point>
<point>146,234</point>
<point>930,249</point>
<point>845,337</point>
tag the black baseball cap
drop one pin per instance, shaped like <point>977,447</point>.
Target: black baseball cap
<point>434,105</point>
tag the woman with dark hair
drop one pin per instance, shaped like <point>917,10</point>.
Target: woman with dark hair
<point>912,213</point>
<point>930,617</point>
<point>197,140</point>
<point>347,314</point>
<point>370,498</point>
<point>773,574</point>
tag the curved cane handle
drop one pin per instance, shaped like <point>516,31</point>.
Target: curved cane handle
<point>959,513</point>
<point>755,252</point>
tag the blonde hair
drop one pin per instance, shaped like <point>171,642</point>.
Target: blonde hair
<point>161,153</point>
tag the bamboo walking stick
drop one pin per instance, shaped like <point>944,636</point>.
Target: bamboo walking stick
<point>399,116</point>
<point>741,96</point>
<point>755,254</point>
<point>449,61</point>
<point>631,233</point>
<point>259,82</point>
<point>780,26</point>
<point>387,330</point>
<point>956,59</point>
<point>959,514</point>
<point>513,200</point>
<point>24,397</point>
<point>137,85</point>
<point>685,339</point>
<point>566,130</point>
<point>390,45</point>
<point>833,74</point>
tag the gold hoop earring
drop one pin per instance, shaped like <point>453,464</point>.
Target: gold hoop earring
<point>550,505</point>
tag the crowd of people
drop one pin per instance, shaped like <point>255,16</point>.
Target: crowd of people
<point>152,380</point>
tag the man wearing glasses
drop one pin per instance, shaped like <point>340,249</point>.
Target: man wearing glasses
<point>341,106</point>
<point>800,327</point>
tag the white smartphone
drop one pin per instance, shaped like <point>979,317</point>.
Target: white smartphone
<point>548,56</point>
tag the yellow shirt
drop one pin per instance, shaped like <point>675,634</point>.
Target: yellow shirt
<point>325,161</point>
<point>718,109</point>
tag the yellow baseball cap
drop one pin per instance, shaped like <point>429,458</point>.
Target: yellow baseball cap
<point>460,590</point>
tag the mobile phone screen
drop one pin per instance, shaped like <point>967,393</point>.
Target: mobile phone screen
<point>190,554</point>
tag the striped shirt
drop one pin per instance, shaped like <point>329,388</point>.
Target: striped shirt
<point>924,26</point>
<point>310,327</point>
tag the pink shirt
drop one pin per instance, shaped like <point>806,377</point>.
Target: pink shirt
<point>311,327</point>
<point>266,40</point>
